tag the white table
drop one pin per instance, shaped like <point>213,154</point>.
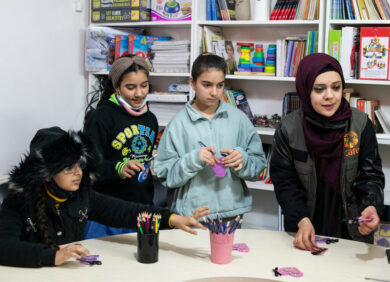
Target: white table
<point>184,257</point>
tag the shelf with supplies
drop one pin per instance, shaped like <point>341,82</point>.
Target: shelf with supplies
<point>146,24</point>
<point>261,23</point>
<point>259,185</point>
<point>156,74</point>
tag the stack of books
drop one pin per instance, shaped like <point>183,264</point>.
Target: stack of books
<point>171,56</point>
<point>295,10</point>
<point>360,9</point>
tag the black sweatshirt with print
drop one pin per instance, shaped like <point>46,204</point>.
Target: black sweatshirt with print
<point>120,137</point>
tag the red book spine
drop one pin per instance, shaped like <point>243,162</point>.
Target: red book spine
<point>274,11</point>
<point>117,46</point>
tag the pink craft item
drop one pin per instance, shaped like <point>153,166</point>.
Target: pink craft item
<point>219,169</point>
<point>241,247</point>
<point>221,247</point>
<point>292,271</point>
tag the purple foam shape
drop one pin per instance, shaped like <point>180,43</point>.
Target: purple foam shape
<point>219,169</point>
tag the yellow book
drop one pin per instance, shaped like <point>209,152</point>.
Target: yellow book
<point>363,10</point>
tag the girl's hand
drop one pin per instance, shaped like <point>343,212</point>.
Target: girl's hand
<point>234,159</point>
<point>184,222</point>
<point>306,236</point>
<point>131,168</point>
<point>70,251</point>
<point>207,154</point>
<point>366,228</point>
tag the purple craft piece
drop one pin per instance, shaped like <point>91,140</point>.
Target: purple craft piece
<point>219,169</point>
<point>241,247</point>
<point>383,242</point>
<point>90,260</point>
<point>292,271</point>
<point>326,240</point>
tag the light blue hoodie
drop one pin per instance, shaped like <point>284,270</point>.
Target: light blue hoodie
<point>178,163</point>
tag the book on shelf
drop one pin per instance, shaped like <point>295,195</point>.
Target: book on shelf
<point>349,46</point>
<point>374,55</point>
<point>290,103</point>
<point>210,34</point>
<point>334,43</point>
<point>382,120</point>
<point>360,10</point>
<point>264,174</point>
<point>295,10</point>
<point>238,99</point>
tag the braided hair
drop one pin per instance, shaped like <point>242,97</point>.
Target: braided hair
<point>42,220</point>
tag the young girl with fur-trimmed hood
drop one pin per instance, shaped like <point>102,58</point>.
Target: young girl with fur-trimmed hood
<point>50,201</point>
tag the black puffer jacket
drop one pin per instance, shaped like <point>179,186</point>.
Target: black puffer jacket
<point>20,241</point>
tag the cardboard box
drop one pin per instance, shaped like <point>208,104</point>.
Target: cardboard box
<point>171,10</point>
<point>119,4</point>
<point>382,234</point>
<point>120,15</point>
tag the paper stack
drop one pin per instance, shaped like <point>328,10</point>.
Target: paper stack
<point>171,56</point>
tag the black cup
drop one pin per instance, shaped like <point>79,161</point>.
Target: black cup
<point>147,248</point>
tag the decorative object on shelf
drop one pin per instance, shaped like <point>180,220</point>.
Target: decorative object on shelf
<point>274,121</point>
<point>261,10</point>
<point>243,10</point>
<point>260,121</point>
<point>258,59</point>
<point>263,121</point>
<point>244,64</point>
<point>171,10</point>
<point>270,65</point>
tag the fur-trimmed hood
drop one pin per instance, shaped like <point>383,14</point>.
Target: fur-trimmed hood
<point>51,150</point>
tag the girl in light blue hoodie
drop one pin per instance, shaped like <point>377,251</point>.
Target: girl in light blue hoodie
<point>184,165</point>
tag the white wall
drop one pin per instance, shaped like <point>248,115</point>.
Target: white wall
<point>42,81</point>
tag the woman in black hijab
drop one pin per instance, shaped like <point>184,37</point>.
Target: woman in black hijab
<point>325,165</point>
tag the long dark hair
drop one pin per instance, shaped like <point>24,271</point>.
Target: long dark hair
<point>106,89</point>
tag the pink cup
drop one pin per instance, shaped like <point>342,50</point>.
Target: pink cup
<point>221,247</point>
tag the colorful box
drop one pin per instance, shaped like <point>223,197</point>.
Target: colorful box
<point>120,15</point>
<point>171,10</point>
<point>119,4</point>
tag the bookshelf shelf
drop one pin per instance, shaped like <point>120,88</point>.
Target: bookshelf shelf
<point>155,74</point>
<point>143,24</point>
<point>359,22</point>
<point>259,185</point>
<point>254,77</point>
<point>260,23</point>
<point>368,82</point>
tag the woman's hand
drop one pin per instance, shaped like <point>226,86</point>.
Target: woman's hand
<point>184,222</point>
<point>70,251</point>
<point>366,228</point>
<point>306,236</point>
<point>131,168</point>
<point>234,159</point>
<point>207,154</point>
